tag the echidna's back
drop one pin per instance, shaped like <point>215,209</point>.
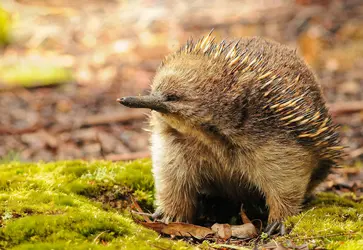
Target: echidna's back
<point>291,98</point>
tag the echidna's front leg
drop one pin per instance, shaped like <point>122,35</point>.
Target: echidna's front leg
<point>176,198</point>
<point>283,200</point>
<point>176,182</point>
<point>284,196</point>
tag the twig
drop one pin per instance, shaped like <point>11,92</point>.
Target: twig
<point>19,131</point>
<point>98,236</point>
<point>138,208</point>
<point>92,120</point>
<point>355,153</point>
<point>141,213</point>
<point>303,216</point>
<point>128,156</point>
<point>345,107</point>
<point>112,118</point>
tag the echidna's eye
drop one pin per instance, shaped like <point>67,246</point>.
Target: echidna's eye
<point>210,128</point>
<point>172,97</point>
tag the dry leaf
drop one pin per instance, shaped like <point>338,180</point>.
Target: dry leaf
<point>244,231</point>
<point>178,229</point>
<point>156,226</point>
<point>223,231</point>
<point>244,217</point>
<point>186,230</point>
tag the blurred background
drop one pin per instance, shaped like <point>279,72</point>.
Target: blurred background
<point>63,63</point>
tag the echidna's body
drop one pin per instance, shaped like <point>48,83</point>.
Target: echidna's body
<point>248,116</point>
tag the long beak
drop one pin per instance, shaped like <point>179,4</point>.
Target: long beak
<point>149,102</point>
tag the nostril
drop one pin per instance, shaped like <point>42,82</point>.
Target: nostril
<point>121,100</point>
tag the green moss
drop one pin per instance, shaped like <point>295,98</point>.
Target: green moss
<point>32,74</point>
<point>330,221</point>
<point>48,206</point>
<point>78,177</point>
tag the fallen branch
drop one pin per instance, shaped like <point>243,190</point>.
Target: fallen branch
<point>356,153</point>
<point>19,131</point>
<point>112,118</point>
<point>345,107</point>
<point>92,120</point>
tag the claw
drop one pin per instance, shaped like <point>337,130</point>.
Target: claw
<point>157,214</point>
<point>275,227</point>
<point>282,229</point>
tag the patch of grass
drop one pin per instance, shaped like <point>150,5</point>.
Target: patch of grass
<point>48,206</point>
<point>330,221</point>
<point>91,179</point>
<point>32,74</point>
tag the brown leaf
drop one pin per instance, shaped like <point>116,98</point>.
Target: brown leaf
<point>178,229</point>
<point>186,230</point>
<point>244,217</point>
<point>223,231</point>
<point>156,226</point>
<point>247,230</point>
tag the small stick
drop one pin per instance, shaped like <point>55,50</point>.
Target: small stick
<point>355,153</point>
<point>112,118</point>
<point>138,208</point>
<point>345,107</point>
<point>141,213</point>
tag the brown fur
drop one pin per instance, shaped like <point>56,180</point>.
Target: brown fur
<point>250,116</point>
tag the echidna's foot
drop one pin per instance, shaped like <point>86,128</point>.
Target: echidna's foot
<point>276,227</point>
<point>158,214</point>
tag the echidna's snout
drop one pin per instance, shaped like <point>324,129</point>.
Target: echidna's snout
<point>148,102</point>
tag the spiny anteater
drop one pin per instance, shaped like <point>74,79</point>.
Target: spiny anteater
<point>232,117</point>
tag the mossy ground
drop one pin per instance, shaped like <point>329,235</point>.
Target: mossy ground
<point>31,74</point>
<point>74,205</point>
<point>329,221</point>
<point>56,206</point>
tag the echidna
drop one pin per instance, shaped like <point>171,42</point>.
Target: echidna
<point>233,118</point>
